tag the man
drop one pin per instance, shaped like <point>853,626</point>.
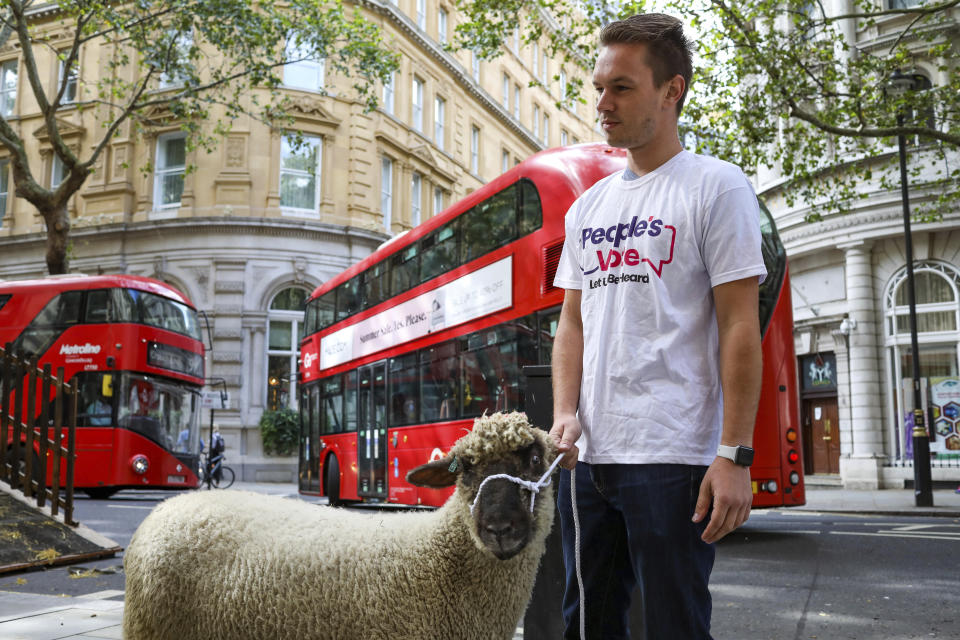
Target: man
<point>657,359</point>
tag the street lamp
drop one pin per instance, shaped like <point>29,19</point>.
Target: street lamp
<point>898,85</point>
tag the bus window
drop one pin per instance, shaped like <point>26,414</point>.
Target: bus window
<point>549,320</point>
<point>3,300</point>
<point>774,259</point>
<point>404,270</point>
<point>438,379</point>
<point>491,369</point>
<point>96,308</point>
<point>124,306</point>
<point>404,398</point>
<point>94,407</point>
<point>438,251</point>
<point>531,212</point>
<point>374,287</point>
<point>53,319</point>
<point>348,298</point>
<point>350,401</point>
<point>326,309</point>
<point>490,224</point>
<point>331,399</point>
<point>163,313</point>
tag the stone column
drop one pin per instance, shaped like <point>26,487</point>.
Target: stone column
<point>860,465</point>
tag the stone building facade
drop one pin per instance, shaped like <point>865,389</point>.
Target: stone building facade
<point>852,335</point>
<point>259,224</point>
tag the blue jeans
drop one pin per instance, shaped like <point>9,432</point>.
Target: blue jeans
<point>636,531</point>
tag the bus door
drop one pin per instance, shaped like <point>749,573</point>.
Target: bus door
<point>372,431</point>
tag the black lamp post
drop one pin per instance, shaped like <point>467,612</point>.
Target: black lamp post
<point>899,84</point>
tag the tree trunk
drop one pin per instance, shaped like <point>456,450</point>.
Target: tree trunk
<point>58,235</point>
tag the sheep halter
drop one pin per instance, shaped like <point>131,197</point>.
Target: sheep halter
<point>532,487</point>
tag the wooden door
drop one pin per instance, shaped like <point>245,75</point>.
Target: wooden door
<point>823,434</point>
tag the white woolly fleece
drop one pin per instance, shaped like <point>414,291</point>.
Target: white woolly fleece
<point>240,565</point>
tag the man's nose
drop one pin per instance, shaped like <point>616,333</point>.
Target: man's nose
<point>603,102</point>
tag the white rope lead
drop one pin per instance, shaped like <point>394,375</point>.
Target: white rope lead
<point>576,552</point>
<point>533,487</point>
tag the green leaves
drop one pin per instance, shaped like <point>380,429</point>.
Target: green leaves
<point>279,431</point>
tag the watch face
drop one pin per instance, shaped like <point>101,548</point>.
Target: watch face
<point>744,456</point>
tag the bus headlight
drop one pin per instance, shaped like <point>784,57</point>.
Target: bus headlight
<point>771,486</point>
<point>794,477</point>
<point>140,464</point>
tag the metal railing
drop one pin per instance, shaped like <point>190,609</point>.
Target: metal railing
<point>38,411</point>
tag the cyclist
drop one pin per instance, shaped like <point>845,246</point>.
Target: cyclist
<point>217,447</point>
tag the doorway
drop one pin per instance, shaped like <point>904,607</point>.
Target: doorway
<point>372,431</point>
<point>821,435</point>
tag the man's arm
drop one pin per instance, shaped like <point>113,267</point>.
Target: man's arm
<point>567,372</point>
<point>726,484</point>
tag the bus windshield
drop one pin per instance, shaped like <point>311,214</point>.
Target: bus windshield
<point>164,411</point>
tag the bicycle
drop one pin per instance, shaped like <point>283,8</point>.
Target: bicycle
<point>216,474</point>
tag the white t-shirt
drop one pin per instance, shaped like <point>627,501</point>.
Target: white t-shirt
<point>646,253</point>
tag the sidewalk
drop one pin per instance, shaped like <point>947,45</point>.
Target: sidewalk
<point>99,616</point>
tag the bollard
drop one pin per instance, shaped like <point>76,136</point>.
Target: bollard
<point>544,618</point>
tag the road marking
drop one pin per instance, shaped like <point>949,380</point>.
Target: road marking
<point>131,506</point>
<point>930,535</point>
<point>915,527</point>
<point>102,595</point>
<point>748,530</point>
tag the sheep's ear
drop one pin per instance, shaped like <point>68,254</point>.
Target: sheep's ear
<point>436,475</point>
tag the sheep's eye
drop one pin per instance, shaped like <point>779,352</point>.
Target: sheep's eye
<point>535,460</point>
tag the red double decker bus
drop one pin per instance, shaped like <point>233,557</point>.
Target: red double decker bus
<point>402,350</point>
<point>134,347</point>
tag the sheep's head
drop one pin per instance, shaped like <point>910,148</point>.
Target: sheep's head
<point>500,443</point>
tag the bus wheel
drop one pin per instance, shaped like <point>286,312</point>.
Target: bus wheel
<point>332,482</point>
<point>100,493</point>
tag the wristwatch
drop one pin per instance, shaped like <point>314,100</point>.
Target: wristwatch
<point>740,454</point>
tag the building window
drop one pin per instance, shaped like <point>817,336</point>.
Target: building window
<point>416,195</point>
<point>506,91</point>
<point>475,149</point>
<point>439,120</point>
<point>442,25</point>
<point>937,295</point>
<point>173,77</point>
<point>437,200</point>
<point>563,137</point>
<point>303,71</point>
<point>300,168</point>
<point>504,161</point>
<point>386,192</point>
<point>546,128</point>
<point>170,167</point>
<point>8,87</point>
<point>905,4</point>
<point>475,65</point>
<point>535,59</point>
<point>417,104</point>
<point>388,92</point>
<point>68,77</point>
<point>544,74</point>
<point>516,39</point>
<point>284,326</point>
<point>58,172</point>
<point>4,187</point>
<point>516,101</point>
<point>563,84</point>
<point>422,14</point>
<point>536,122</point>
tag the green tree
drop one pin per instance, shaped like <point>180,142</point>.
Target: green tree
<point>781,83</point>
<point>199,63</point>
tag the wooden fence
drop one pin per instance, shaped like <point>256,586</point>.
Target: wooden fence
<point>38,412</point>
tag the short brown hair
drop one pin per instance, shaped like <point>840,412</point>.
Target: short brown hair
<point>668,50</point>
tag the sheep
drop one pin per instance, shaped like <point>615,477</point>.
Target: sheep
<point>240,565</point>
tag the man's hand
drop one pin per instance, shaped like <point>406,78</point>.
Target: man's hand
<point>727,486</point>
<point>565,432</point>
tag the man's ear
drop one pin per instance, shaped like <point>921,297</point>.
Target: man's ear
<point>435,475</point>
<point>675,87</point>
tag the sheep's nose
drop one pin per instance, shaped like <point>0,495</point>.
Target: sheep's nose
<point>500,529</point>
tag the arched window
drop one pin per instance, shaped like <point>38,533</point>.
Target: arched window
<point>284,328</point>
<point>938,335</point>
